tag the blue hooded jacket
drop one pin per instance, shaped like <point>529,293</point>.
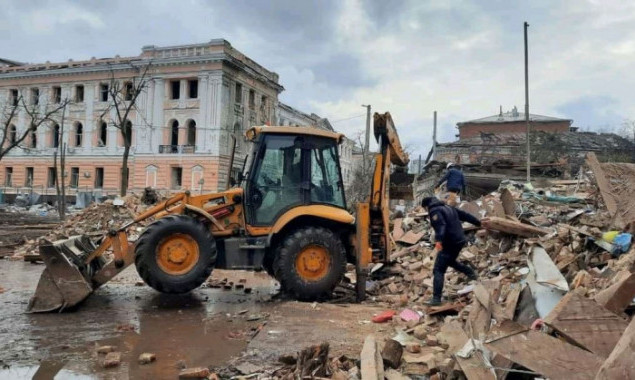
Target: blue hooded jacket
<point>455,180</point>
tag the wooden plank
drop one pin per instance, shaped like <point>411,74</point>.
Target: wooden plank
<point>546,355</point>
<point>452,334</point>
<point>397,230</point>
<point>602,182</point>
<point>507,199</point>
<point>619,295</point>
<point>513,227</point>
<point>620,364</point>
<point>411,237</point>
<point>587,324</point>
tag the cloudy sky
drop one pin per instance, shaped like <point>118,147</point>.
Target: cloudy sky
<point>461,58</point>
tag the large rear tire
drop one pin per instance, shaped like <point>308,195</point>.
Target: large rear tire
<point>310,263</point>
<point>175,254</point>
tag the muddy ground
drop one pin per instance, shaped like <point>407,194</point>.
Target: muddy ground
<point>208,327</point>
<point>18,227</point>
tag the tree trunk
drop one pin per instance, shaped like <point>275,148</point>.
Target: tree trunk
<point>62,202</point>
<point>124,170</point>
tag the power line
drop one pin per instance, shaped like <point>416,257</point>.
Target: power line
<point>348,118</point>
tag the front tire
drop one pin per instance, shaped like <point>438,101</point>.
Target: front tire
<point>310,263</point>
<point>175,254</point>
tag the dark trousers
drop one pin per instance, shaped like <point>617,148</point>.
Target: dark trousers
<point>447,258</point>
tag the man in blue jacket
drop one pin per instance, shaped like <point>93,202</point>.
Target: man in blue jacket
<point>450,240</point>
<point>455,183</point>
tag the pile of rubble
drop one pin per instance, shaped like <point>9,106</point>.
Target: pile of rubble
<point>93,221</point>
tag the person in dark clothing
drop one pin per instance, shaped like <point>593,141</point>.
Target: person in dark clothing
<point>455,183</point>
<point>450,240</point>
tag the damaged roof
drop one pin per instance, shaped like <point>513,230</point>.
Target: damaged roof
<point>514,116</point>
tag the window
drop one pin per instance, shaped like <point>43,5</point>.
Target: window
<point>56,95</point>
<point>191,132</point>
<point>14,97</point>
<point>263,101</point>
<point>74,177</point>
<point>326,182</point>
<point>13,134</point>
<point>55,141</point>
<point>277,179</point>
<point>103,92</point>
<point>35,96</point>
<point>99,178</point>
<point>8,176</point>
<point>33,139</point>
<point>128,91</point>
<point>79,130</point>
<point>28,178</point>
<point>174,134</point>
<point>175,89</point>
<point>51,177</point>
<point>79,93</point>
<point>239,93</point>
<point>252,99</point>
<point>192,88</point>
<point>177,177</point>
<point>103,134</point>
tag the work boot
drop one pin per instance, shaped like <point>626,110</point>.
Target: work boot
<point>434,301</point>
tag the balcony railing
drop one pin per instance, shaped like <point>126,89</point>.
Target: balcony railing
<point>173,149</point>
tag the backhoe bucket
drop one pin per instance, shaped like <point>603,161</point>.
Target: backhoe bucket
<point>66,280</point>
<point>401,185</point>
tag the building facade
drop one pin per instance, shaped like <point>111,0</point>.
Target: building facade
<point>511,122</point>
<point>196,98</point>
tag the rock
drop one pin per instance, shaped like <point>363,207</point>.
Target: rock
<point>105,349</point>
<point>432,340</point>
<point>420,332</point>
<point>415,266</point>
<point>147,358</point>
<point>112,359</point>
<point>392,374</point>
<point>413,348</point>
<point>391,354</point>
<point>194,373</point>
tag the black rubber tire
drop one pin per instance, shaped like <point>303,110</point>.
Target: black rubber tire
<point>145,254</point>
<point>291,246</point>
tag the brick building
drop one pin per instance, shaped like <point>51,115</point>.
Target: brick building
<point>511,122</point>
<point>198,96</point>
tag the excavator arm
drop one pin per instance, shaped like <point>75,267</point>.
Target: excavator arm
<point>373,230</point>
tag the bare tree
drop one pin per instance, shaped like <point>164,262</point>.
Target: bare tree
<point>359,188</point>
<point>60,170</point>
<point>123,95</point>
<point>37,115</point>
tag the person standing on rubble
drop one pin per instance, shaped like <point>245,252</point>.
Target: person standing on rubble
<point>450,240</point>
<point>455,183</point>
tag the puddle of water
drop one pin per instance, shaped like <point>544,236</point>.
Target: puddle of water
<point>47,370</point>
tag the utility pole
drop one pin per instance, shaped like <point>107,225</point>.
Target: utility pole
<point>367,141</point>
<point>527,105</point>
<point>434,137</point>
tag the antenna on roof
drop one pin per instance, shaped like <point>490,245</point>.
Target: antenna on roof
<point>501,111</point>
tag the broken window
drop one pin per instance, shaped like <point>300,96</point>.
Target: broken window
<point>56,95</point>
<point>56,136</point>
<point>239,93</point>
<point>99,178</point>
<point>103,134</point>
<point>252,99</point>
<point>8,176</point>
<point>103,92</point>
<point>177,177</point>
<point>51,177</point>
<point>35,96</point>
<point>74,177</point>
<point>191,132</point>
<point>14,97</point>
<point>192,88</point>
<point>175,89</point>
<point>128,91</point>
<point>13,134</point>
<point>79,93</point>
<point>28,178</point>
<point>79,130</point>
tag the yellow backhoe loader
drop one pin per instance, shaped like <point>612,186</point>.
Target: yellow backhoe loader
<point>287,215</point>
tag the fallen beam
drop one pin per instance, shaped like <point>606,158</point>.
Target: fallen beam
<point>619,295</point>
<point>620,364</point>
<point>512,227</point>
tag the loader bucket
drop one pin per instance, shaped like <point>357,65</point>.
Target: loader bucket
<point>65,281</point>
<point>401,184</point>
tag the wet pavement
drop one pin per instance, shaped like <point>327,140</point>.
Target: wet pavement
<point>207,327</point>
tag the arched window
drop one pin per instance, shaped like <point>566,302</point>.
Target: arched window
<point>174,133</point>
<point>191,132</point>
<point>79,130</point>
<point>56,136</point>
<point>13,134</point>
<point>128,134</point>
<point>103,134</point>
